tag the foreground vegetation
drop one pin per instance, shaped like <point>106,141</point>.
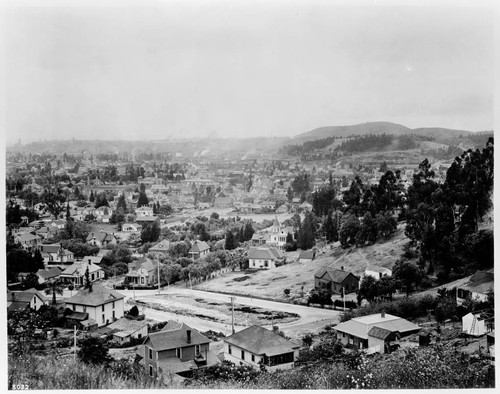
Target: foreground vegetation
<point>436,367</point>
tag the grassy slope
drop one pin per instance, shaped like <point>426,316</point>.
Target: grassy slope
<point>271,283</point>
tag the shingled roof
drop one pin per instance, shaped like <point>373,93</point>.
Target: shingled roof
<point>173,336</point>
<point>338,276</point>
<point>259,340</point>
<point>199,246</point>
<point>98,296</point>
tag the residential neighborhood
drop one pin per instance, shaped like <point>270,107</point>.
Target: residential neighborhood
<point>249,196</point>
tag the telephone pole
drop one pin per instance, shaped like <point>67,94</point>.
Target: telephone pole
<point>232,313</point>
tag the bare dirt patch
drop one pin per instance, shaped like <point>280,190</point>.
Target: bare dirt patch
<point>214,311</point>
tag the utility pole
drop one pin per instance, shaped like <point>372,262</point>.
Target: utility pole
<point>232,313</point>
<point>158,277</point>
<point>343,296</point>
<point>74,344</point>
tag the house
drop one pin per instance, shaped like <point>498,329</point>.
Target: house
<point>142,220</point>
<point>101,239</point>
<point>27,299</point>
<point>178,349</point>
<point>278,234</point>
<point>142,271</point>
<point>131,228</point>
<point>306,256</point>
<point>264,258</point>
<point>28,241</point>
<point>45,275</point>
<point>256,346</point>
<point>92,259</point>
<point>377,333</point>
<point>378,272</point>
<point>54,254</point>
<point>75,273</point>
<point>123,330</point>
<point>477,288</point>
<point>161,248</point>
<point>335,280</point>
<point>478,323</point>
<point>144,211</point>
<point>199,249</point>
<point>102,305</point>
<point>259,239</point>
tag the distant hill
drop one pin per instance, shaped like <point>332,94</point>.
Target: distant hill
<point>439,134</point>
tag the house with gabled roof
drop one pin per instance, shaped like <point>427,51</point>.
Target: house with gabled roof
<point>123,330</point>
<point>103,305</point>
<point>141,272</point>
<point>161,248</point>
<point>27,299</point>
<point>257,346</point>
<point>101,239</point>
<point>336,280</point>
<point>54,254</point>
<point>199,249</point>
<point>477,287</point>
<point>75,273</point>
<point>178,349</point>
<point>28,241</point>
<point>45,275</point>
<point>263,257</point>
<point>376,333</point>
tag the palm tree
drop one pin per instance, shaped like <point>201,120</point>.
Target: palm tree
<point>55,287</point>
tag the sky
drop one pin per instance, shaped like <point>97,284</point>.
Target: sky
<point>160,69</point>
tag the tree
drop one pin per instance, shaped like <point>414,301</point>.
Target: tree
<point>320,296</point>
<point>91,197</point>
<point>54,202</point>
<point>230,243</point>
<point>94,350</point>
<point>30,281</point>
<point>307,232</point>
<point>368,288</point>
<point>134,311</point>
<point>121,203</point>
<point>54,287</point>
<point>287,292</point>
<point>348,229</point>
<point>150,232</point>
<point>409,275</point>
<point>38,259</point>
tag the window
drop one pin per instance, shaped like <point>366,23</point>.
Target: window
<point>103,308</point>
<point>142,281</point>
<point>74,307</point>
<point>197,350</point>
<point>150,370</point>
<point>229,349</point>
<point>93,277</point>
<point>253,357</point>
<point>242,354</point>
<point>113,315</point>
<point>178,352</point>
<point>150,353</point>
<point>84,308</point>
<point>103,319</point>
<point>266,264</point>
<point>113,305</point>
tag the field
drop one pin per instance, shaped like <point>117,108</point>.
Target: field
<point>295,275</point>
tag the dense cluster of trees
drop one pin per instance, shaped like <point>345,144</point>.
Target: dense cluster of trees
<point>442,218</point>
<point>377,143</point>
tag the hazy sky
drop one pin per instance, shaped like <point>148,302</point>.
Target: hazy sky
<point>153,69</point>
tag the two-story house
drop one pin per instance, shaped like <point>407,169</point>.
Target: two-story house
<point>141,272</point>
<point>101,239</point>
<point>102,305</point>
<point>28,241</point>
<point>177,348</point>
<point>160,249</point>
<point>256,346</point>
<point>21,300</point>
<point>199,249</point>
<point>336,280</point>
<point>55,254</point>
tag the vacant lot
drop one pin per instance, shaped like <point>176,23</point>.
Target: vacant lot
<point>299,277</point>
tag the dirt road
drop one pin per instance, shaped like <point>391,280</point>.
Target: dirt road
<point>311,319</point>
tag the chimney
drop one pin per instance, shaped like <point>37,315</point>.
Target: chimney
<point>188,336</point>
<point>382,314</point>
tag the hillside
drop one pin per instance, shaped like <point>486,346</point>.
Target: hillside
<point>271,283</point>
<point>439,134</point>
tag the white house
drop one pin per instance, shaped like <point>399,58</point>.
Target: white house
<point>125,329</point>
<point>144,211</point>
<point>102,305</point>
<point>264,258</point>
<point>379,332</point>
<point>75,273</point>
<point>477,288</point>
<point>256,346</point>
<point>378,272</point>
<point>21,300</point>
<point>478,323</point>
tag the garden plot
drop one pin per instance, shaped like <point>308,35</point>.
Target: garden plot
<point>215,311</point>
